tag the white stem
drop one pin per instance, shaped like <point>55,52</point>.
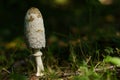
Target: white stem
<point>39,63</point>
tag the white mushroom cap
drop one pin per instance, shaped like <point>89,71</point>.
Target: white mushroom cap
<point>34,29</point>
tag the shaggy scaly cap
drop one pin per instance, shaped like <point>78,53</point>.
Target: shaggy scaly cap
<point>34,29</point>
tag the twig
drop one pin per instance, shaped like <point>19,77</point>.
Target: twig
<point>4,69</point>
<point>102,69</point>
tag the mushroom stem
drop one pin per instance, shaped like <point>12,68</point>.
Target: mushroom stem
<point>40,68</point>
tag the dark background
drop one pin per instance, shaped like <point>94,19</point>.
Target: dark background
<point>60,18</point>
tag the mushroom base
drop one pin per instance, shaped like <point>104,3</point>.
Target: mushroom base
<point>40,67</point>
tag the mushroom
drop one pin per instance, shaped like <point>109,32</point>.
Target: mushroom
<point>35,36</point>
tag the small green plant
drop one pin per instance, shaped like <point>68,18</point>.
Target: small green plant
<point>113,60</point>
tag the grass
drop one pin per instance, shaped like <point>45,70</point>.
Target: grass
<point>73,58</point>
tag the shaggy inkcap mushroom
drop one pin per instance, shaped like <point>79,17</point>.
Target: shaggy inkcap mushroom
<point>35,35</point>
